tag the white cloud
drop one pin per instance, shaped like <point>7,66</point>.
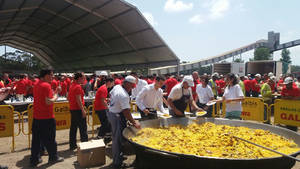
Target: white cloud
<point>218,8</point>
<point>197,19</point>
<point>177,6</point>
<point>150,18</point>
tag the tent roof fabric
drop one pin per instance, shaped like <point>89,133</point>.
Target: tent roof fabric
<point>83,35</point>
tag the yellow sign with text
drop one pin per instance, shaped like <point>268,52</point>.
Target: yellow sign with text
<point>287,112</point>
<point>6,121</point>
<point>252,109</point>
<point>61,112</point>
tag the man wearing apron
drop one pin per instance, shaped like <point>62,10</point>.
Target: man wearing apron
<point>150,99</point>
<point>180,96</point>
<point>119,112</point>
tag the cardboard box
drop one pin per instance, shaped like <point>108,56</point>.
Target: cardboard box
<point>91,153</point>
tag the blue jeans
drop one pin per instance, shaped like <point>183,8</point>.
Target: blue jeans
<point>118,124</point>
<point>233,115</point>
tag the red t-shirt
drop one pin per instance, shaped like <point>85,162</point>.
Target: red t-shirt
<point>7,82</point>
<point>254,83</point>
<point>101,93</point>
<point>1,85</point>
<point>68,80</point>
<point>30,87</point>
<point>21,87</point>
<point>221,84</point>
<point>194,88</point>
<point>294,92</point>
<point>40,109</point>
<point>63,85</point>
<point>149,81</point>
<point>118,81</point>
<point>54,84</point>
<point>75,89</point>
<point>248,85</point>
<point>170,83</point>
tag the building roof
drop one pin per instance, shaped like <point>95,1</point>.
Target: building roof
<point>83,35</point>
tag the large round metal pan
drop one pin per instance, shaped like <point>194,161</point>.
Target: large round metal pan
<point>152,158</point>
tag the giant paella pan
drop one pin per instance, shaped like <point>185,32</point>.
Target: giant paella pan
<point>149,157</point>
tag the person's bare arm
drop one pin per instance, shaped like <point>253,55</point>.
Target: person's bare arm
<point>103,101</point>
<point>79,102</point>
<point>129,117</point>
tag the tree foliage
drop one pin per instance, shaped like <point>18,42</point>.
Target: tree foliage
<point>262,53</point>
<point>238,60</point>
<point>295,68</point>
<point>286,60</point>
<point>20,61</point>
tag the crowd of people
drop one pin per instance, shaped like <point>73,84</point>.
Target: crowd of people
<point>115,92</point>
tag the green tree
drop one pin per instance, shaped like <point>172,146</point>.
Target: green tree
<point>286,60</point>
<point>238,60</point>
<point>295,68</point>
<point>262,53</point>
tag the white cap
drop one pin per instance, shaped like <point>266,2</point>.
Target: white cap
<point>189,80</point>
<point>258,75</point>
<point>103,73</point>
<point>130,79</point>
<point>215,74</point>
<point>270,74</point>
<point>246,77</point>
<point>288,80</point>
<point>273,78</point>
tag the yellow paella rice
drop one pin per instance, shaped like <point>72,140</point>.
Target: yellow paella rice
<point>213,140</point>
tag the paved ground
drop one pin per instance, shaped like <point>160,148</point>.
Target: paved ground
<point>20,158</point>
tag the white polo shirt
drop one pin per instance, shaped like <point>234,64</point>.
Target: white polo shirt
<point>149,97</point>
<point>139,86</point>
<point>176,92</point>
<point>233,92</point>
<point>119,99</point>
<point>204,94</point>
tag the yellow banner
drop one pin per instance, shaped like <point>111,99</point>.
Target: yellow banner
<point>61,112</point>
<point>287,112</point>
<point>6,121</point>
<point>252,109</point>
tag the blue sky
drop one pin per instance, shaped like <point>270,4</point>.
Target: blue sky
<point>196,29</point>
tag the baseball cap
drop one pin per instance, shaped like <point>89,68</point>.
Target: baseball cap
<point>258,75</point>
<point>189,80</point>
<point>215,74</point>
<point>270,74</point>
<point>273,78</point>
<point>130,79</point>
<point>288,80</point>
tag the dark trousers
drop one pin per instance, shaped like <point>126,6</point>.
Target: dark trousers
<point>43,131</point>
<point>248,93</point>
<point>255,94</point>
<point>77,122</point>
<point>105,125</point>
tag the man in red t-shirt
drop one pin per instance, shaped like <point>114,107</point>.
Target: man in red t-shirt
<point>290,92</point>
<point>221,85</point>
<point>44,125</point>
<point>101,107</point>
<point>196,82</point>
<point>170,83</point>
<point>78,113</point>
<point>248,86</point>
<point>21,85</point>
<point>63,84</point>
<point>255,85</point>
